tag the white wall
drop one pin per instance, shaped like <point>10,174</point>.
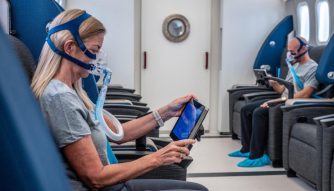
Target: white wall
<point>118,18</point>
<point>244,29</point>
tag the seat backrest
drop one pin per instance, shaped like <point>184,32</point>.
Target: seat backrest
<point>29,159</point>
<point>316,53</point>
<point>273,46</point>
<point>284,67</point>
<point>24,55</point>
<point>325,72</point>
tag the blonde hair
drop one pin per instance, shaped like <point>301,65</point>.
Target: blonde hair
<point>49,62</point>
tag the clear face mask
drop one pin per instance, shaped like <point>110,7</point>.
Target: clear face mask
<point>100,64</point>
<point>290,57</point>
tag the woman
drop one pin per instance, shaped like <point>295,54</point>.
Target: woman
<point>73,41</point>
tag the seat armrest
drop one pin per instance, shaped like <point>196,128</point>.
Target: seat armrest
<point>118,101</point>
<point>296,101</point>
<point>244,85</point>
<point>251,88</point>
<point>260,95</point>
<point>117,88</point>
<point>123,95</point>
<point>287,108</point>
<point>327,122</point>
<point>132,107</point>
<point>317,119</point>
<point>120,89</point>
<point>139,103</point>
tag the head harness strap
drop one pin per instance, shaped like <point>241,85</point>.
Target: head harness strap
<point>301,45</point>
<point>73,26</point>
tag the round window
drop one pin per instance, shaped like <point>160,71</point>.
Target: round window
<point>176,28</point>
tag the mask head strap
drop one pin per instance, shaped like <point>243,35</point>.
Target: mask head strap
<point>72,26</point>
<point>301,45</point>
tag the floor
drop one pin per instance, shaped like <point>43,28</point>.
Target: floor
<point>214,169</point>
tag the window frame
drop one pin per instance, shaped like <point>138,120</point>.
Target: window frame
<point>317,17</point>
<point>299,20</point>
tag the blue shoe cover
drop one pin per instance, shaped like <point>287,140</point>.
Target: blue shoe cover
<point>238,154</point>
<point>262,161</point>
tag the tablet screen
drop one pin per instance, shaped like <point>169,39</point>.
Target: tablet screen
<point>188,119</point>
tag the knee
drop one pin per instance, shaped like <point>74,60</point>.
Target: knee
<point>260,112</point>
<point>246,110</point>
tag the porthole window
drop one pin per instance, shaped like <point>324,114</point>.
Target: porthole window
<point>303,17</point>
<point>322,14</point>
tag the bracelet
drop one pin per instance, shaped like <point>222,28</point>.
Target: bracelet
<point>158,118</point>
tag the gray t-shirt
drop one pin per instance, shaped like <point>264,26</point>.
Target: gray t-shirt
<point>70,121</point>
<point>306,73</point>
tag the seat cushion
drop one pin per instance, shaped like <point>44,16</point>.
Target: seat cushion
<point>238,105</point>
<point>305,132</point>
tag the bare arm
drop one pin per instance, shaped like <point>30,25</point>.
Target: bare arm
<point>135,128</point>
<point>138,127</point>
<point>85,161</point>
<point>276,86</point>
<point>304,93</point>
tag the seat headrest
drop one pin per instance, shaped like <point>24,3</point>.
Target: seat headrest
<point>316,53</point>
<point>24,55</point>
<point>325,71</point>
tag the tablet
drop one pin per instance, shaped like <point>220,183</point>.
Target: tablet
<point>261,75</point>
<point>190,120</point>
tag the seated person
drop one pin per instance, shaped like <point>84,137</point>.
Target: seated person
<point>254,116</point>
<point>83,145</point>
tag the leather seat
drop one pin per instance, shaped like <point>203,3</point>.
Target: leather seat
<point>303,135</point>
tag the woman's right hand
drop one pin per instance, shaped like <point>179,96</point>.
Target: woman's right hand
<point>174,152</point>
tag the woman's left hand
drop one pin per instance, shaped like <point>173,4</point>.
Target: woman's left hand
<point>174,108</point>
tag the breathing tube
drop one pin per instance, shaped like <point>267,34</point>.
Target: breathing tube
<point>96,69</point>
<point>100,70</point>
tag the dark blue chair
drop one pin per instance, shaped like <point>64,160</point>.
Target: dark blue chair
<point>29,159</point>
<point>304,135</point>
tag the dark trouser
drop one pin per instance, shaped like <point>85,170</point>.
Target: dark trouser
<point>155,185</point>
<point>254,129</point>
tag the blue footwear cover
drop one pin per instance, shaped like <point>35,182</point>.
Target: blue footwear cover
<point>238,154</point>
<point>262,161</point>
